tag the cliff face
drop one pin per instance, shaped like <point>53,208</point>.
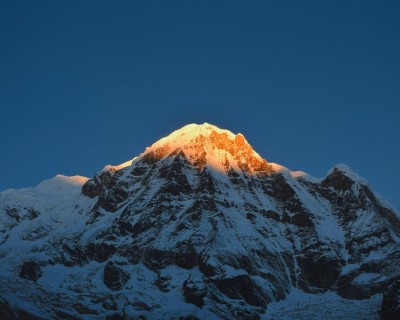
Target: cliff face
<point>198,225</point>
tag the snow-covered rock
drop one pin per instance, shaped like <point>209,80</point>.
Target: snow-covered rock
<point>197,226</point>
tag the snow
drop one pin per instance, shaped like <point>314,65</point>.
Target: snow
<point>54,189</point>
<point>189,132</point>
<point>278,168</point>
<point>345,169</point>
<point>236,229</point>
<point>349,172</point>
<point>328,306</point>
<point>320,209</point>
<point>194,139</point>
<point>59,196</point>
<point>119,166</point>
<point>305,176</point>
<point>294,174</point>
<point>386,204</point>
<point>232,272</point>
<point>368,277</point>
<point>349,268</point>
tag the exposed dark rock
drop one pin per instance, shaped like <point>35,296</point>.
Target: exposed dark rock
<point>132,253</point>
<point>36,234</point>
<point>60,314</point>
<point>301,219</point>
<point>338,180</point>
<point>156,259</point>
<point>113,301</point>
<point>26,315</point>
<point>270,214</point>
<point>391,302</point>
<point>110,304</point>
<point>206,267</point>
<point>73,254</point>
<point>391,217</point>
<point>30,270</point>
<point>100,251</point>
<point>242,286</point>
<point>13,213</point>
<point>279,188</point>
<point>194,292</point>
<point>140,305</point>
<point>206,184</point>
<point>319,270</point>
<point>136,229</point>
<point>139,171</point>
<point>32,213</point>
<point>190,317</point>
<point>175,176</point>
<point>115,316</point>
<point>93,187</point>
<point>388,214</point>
<point>151,158</point>
<point>83,309</point>
<point>112,200</point>
<point>247,314</point>
<point>6,311</point>
<point>114,277</point>
<point>186,256</point>
<point>162,283</point>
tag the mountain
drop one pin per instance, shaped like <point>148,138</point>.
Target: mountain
<point>199,226</point>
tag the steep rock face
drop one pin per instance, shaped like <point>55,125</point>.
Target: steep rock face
<point>7,312</point>
<point>114,277</point>
<point>194,292</point>
<point>391,302</point>
<point>370,238</point>
<point>202,225</point>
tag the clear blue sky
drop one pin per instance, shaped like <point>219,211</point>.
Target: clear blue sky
<point>309,83</point>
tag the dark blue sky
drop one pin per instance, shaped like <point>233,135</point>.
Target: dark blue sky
<point>309,83</point>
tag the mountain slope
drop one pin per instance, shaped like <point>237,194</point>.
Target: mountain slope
<point>198,225</point>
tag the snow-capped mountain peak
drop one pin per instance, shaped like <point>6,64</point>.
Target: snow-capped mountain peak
<point>349,172</point>
<point>208,145</point>
<point>198,226</point>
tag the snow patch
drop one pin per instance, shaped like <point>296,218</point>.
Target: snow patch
<point>123,165</point>
<point>368,277</point>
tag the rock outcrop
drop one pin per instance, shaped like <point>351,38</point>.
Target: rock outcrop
<point>391,302</point>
